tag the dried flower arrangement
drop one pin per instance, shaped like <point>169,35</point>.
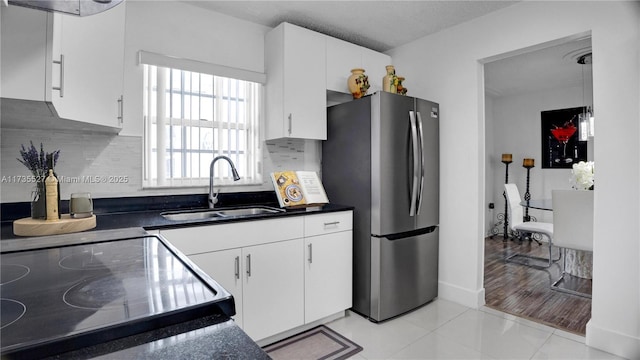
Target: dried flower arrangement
<point>36,161</point>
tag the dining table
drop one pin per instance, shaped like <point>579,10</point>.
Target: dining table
<point>578,263</point>
<point>540,204</point>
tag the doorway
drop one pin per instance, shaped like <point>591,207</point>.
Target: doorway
<point>517,89</point>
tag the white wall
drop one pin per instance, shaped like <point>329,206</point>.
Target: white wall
<point>447,68</point>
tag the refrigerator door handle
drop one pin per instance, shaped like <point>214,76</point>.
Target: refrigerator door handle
<point>416,163</point>
<point>421,150</point>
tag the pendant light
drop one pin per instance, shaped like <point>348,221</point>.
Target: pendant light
<point>586,119</point>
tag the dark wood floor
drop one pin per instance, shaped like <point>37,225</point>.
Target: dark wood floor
<point>525,292</point>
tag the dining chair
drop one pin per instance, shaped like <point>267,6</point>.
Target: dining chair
<point>521,227</point>
<point>573,227</point>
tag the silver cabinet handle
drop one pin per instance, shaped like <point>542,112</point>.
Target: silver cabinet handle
<point>310,253</point>
<point>120,110</point>
<point>333,223</point>
<point>290,123</point>
<point>248,265</point>
<point>237,267</point>
<point>61,87</point>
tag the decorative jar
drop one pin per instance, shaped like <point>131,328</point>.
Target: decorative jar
<point>358,83</point>
<point>388,81</point>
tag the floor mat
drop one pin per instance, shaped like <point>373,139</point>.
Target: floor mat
<point>318,343</point>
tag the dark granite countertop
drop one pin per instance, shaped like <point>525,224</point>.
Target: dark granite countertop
<point>116,213</point>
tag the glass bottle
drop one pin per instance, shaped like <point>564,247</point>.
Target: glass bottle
<point>56,200</point>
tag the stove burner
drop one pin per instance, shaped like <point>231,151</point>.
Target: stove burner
<point>110,291</point>
<point>10,312</point>
<point>100,257</point>
<point>12,272</point>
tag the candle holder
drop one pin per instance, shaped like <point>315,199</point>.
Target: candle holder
<point>506,160</point>
<point>502,218</point>
<point>527,164</point>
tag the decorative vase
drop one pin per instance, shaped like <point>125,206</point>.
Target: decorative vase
<point>38,202</point>
<point>358,83</point>
<point>388,81</point>
<point>400,89</point>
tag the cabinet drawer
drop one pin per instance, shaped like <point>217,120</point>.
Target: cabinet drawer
<point>328,223</point>
<point>201,239</point>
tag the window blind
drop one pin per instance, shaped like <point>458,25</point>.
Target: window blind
<point>191,117</point>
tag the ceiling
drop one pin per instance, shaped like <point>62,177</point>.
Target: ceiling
<point>378,25</point>
<point>384,25</point>
<point>548,68</point>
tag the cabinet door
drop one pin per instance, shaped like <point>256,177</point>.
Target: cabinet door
<point>375,65</point>
<point>225,267</point>
<point>93,50</point>
<point>273,292</point>
<point>342,56</point>
<point>328,274</point>
<point>24,53</point>
<point>296,93</point>
<point>304,78</point>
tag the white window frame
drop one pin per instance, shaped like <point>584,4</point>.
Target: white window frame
<point>250,170</point>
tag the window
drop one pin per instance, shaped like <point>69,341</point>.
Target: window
<point>192,117</point>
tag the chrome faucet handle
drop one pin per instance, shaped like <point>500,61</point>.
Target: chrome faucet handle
<point>213,199</point>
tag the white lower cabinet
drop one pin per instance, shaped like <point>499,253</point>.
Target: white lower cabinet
<point>327,275</point>
<point>273,292</point>
<point>328,264</point>
<point>264,307</point>
<point>279,279</point>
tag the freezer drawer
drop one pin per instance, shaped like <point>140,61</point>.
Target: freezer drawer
<point>404,273</point>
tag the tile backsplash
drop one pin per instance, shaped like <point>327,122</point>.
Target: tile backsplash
<point>97,163</point>
<point>111,165</point>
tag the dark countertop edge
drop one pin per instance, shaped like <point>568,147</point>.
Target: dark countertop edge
<point>152,220</point>
<point>18,210</point>
<point>198,338</point>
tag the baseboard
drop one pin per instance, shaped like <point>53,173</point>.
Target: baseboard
<point>612,342</point>
<point>467,297</point>
<point>299,329</point>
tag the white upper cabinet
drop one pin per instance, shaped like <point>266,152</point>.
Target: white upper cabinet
<point>343,56</point>
<point>375,65</point>
<point>296,78</point>
<point>93,51</point>
<point>25,71</point>
<point>74,62</point>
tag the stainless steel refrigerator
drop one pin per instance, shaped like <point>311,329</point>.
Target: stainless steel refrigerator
<point>382,156</point>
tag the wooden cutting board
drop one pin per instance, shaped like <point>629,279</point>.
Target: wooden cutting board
<point>66,225</point>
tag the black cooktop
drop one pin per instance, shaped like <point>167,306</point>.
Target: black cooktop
<point>55,300</point>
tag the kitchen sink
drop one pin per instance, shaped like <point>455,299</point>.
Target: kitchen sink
<point>221,213</point>
<point>190,215</point>
<point>248,211</point>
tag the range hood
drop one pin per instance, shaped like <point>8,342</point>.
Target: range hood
<point>73,7</point>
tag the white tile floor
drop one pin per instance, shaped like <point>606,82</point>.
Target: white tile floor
<point>446,330</point>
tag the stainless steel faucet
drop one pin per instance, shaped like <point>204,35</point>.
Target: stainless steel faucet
<point>213,197</point>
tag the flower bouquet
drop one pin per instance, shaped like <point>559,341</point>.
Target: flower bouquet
<point>583,175</point>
